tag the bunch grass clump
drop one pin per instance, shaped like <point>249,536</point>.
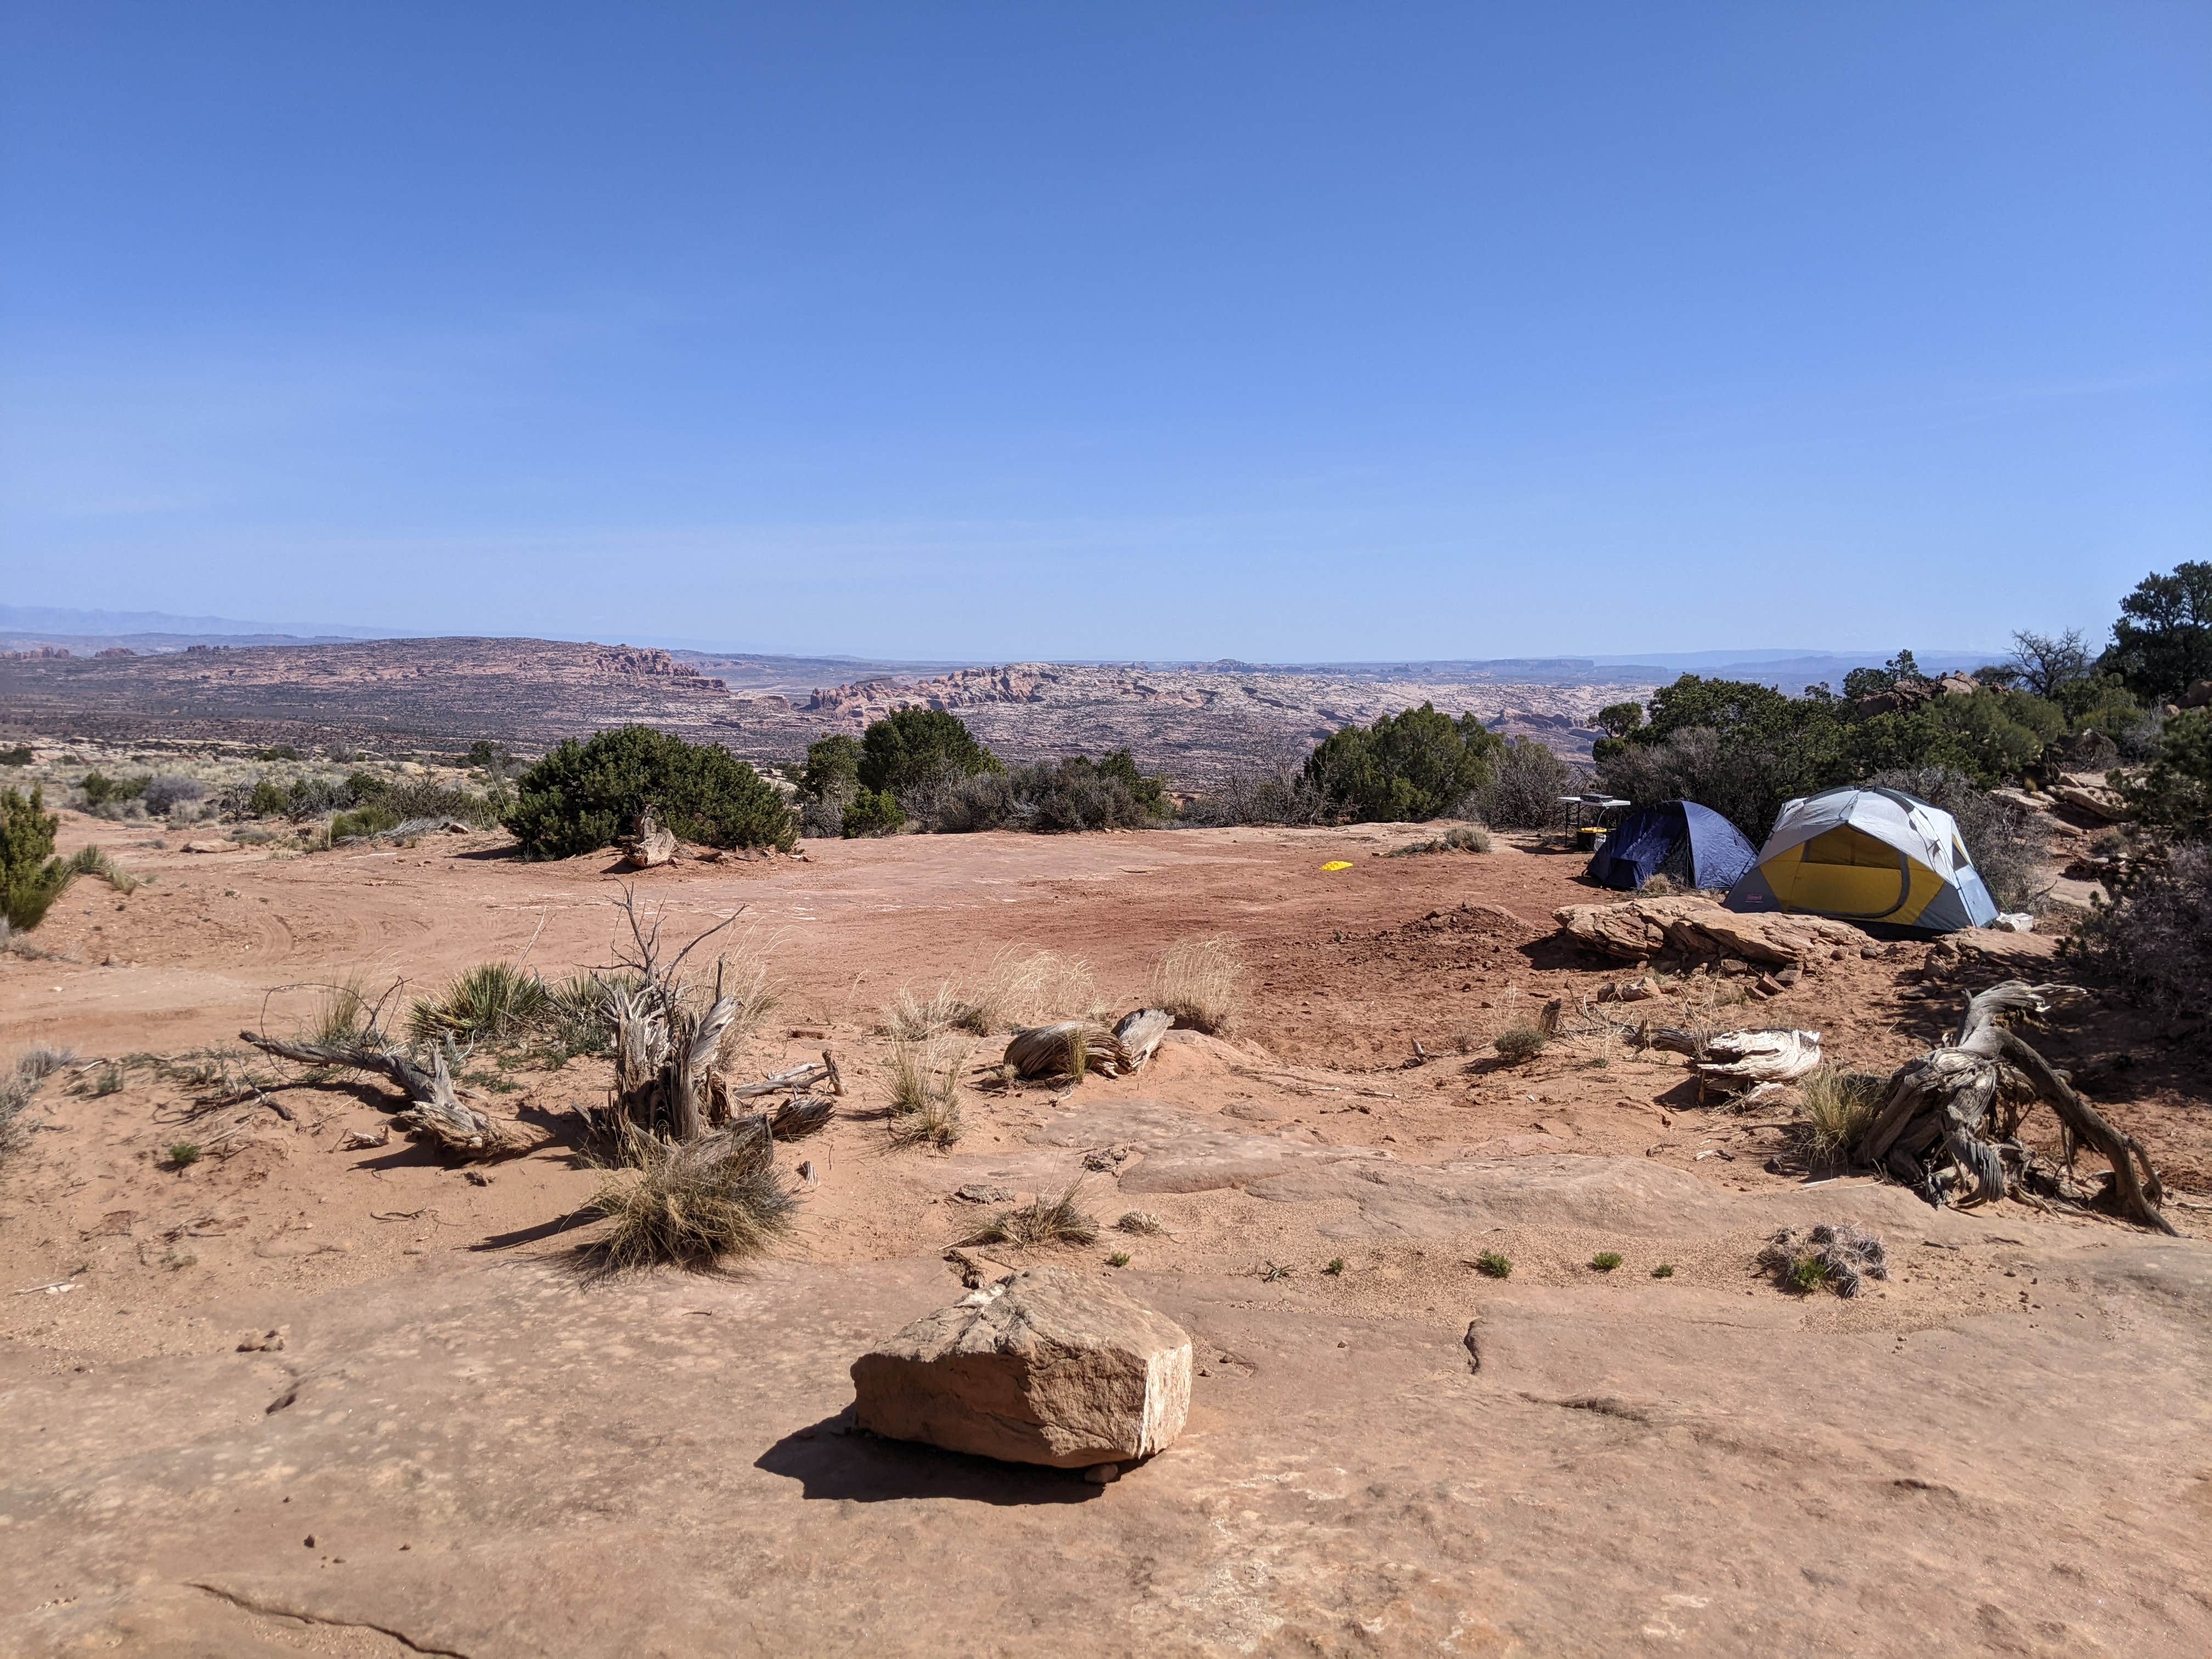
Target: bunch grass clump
<point>695,1204</point>
<point>1201,983</point>
<point>912,1019</point>
<point>925,1089</point>
<point>20,1082</point>
<point>1840,1107</point>
<point>1494,1264</point>
<point>1044,1221</point>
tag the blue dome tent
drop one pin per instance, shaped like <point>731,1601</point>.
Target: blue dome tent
<point>1694,845</point>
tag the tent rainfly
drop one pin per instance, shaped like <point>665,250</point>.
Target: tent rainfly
<point>1692,845</point>
<point>1877,856</point>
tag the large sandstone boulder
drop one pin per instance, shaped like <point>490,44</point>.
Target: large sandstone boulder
<point>1050,1367</point>
<point>1641,928</point>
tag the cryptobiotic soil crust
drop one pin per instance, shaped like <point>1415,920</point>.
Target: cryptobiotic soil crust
<point>446,1436</point>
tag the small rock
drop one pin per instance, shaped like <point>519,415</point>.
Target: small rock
<point>1056,1368</point>
<point>1769,986</point>
<point>475,1178</point>
<point>977,1192</point>
<point>1789,975</point>
<point>1102,1474</point>
<point>267,1342</point>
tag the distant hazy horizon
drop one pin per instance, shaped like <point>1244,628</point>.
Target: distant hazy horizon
<point>1149,332</point>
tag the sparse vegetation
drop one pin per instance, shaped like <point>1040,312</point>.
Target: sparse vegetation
<point>1335,1268</point>
<point>1042,1221</point>
<point>1273,1272</point>
<point>1841,1257</point>
<point>18,1083</point>
<point>1201,983</point>
<point>586,796</point>
<point>1519,1044</point>
<point>1119,1259</point>
<point>693,1204</point>
<point>1027,987</point>
<point>1606,1261</point>
<point>182,1154</point>
<point>1461,838</point>
<point>1140,1221</point>
<point>1664,1270</point>
<point>911,1018</point>
<point>1526,783</point>
<point>1494,1264</point>
<point>2156,937</point>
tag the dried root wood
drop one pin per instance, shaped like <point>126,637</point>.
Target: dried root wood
<point>432,1112</point>
<point>1949,1119</point>
<point>1071,1046</point>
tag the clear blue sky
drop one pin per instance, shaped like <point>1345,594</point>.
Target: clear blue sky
<point>1280,331</point>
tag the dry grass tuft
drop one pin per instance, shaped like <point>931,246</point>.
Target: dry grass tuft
<point>344,1015</point>
<point>1042,1221</point>
<point>746,975</point>
<point>91,861</point>
<point>1140,1221</point>
<point>695,1204</point>
<point>1027,987</point>
<point>1839,1106</point>
<point>17,1085</point>
<point>1201,983</point>
<point>910,1018</point>
<point>925,1077</point>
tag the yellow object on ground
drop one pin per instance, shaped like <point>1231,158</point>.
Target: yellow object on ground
<point>1337,864</point>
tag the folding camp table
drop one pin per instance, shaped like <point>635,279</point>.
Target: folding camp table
<point>1589,816</point>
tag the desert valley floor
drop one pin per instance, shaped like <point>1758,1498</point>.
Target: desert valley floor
<point>294,1398</point>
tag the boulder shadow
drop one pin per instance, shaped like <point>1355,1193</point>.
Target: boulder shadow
<point>832,1459</point>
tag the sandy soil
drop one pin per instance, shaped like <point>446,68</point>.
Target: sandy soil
<point>2003,1450</point>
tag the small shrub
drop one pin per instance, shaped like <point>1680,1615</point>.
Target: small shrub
<point>1664,1270</point>
<point>18,1085</point>
<point>1277,795</point>
<point>694,1204</point>
<point>362,823</point>
<point>965,806</point>
<point>1418,765</point>
<point>1519,1044</point>
<point>1606,1261</point>
<point>1056,1221</point>
<point>1119,1259</point>
<point>871,813</point>
<point>1524,791</point>
<point>1839,1106</point>
<point>170,790</point>
<point>1201,983</point>
<point>184,1154</point>
<point>1140,1221</point>
<point>1335,1268</point>
<point>31,876</point>
<point>1271,1271</point>
<point>19,755</point>
<point>267,799</point>
<point>1494,1264</point>
<point>493,1000</point>
<point>586,796</point>
<point>2156,937</point>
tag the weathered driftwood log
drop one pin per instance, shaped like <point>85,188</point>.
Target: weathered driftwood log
<point>432,1112</point>
<point>1729,1062</point>
<point>1934,1128</point>
<point>1070,1046</point>
<point>801,1116</point>
<point>664,1060</point>
<point>651,844</point>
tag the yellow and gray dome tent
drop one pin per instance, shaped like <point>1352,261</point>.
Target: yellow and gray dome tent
<point>1878,856</point>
